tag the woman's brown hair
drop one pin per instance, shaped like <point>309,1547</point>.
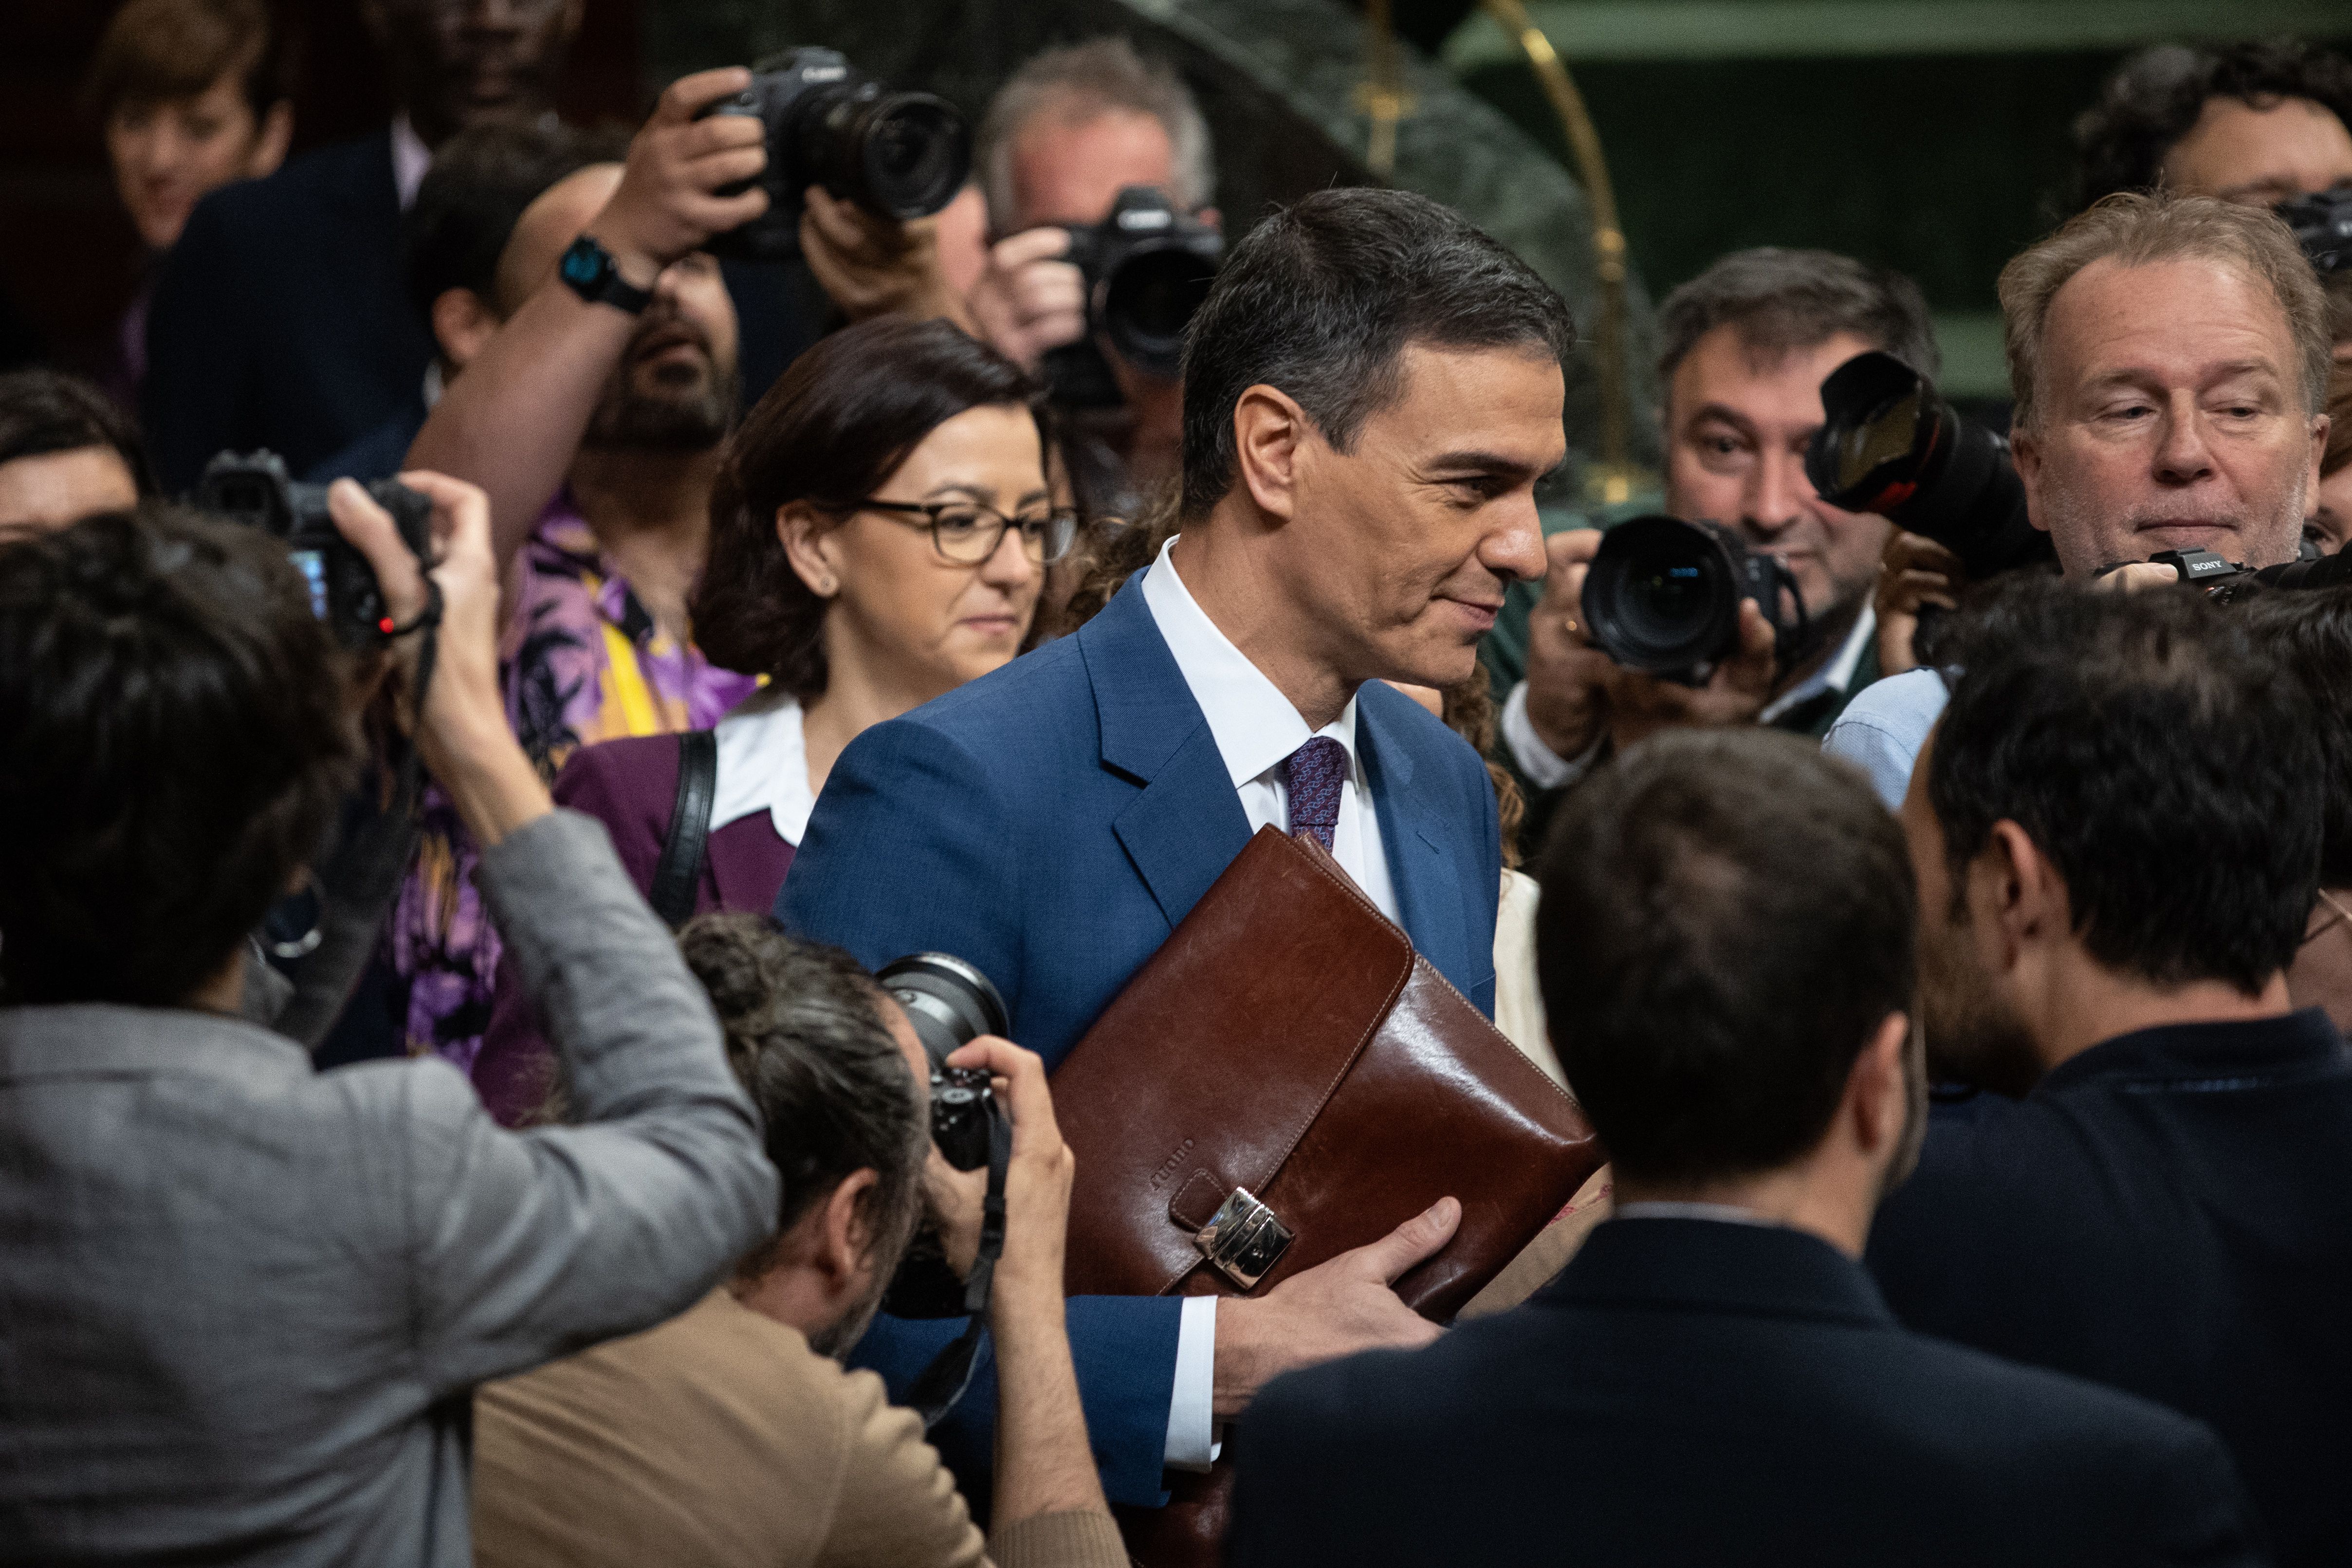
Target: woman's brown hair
<point>834,426</point>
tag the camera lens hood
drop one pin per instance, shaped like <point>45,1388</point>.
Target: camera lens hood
<point>949,1001</point>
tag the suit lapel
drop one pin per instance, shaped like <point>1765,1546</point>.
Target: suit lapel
<point>1428,880</point>
<point>1186,824</point>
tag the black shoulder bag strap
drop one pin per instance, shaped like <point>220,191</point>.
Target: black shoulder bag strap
<point>675,878</point>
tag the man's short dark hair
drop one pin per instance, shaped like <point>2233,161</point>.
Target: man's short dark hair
<point>1781,301</point>
<point>2310,634</point>
<point>45,411</point>
<point>1319,302</point>
<point>174,744</point>
<point>2156,753</point>
<point>805,1036</point>
<point>475,194</point>
<point>2154,98</point>
<point>1727,919</point>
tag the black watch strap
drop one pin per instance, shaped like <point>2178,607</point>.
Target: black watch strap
<point>589,269</point>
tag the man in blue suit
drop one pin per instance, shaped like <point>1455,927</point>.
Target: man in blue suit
<point>1371,390</point>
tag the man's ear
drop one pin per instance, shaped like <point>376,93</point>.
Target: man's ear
<point>1878,1090</point>
<point>845,1238</point>
<point>1269,431</point>
<point>2320,426</point>
<point>2015,894</point>
<point>809,545</point>
<point>270,140</point>
<point>2025,456</point>
<point>463,324</point>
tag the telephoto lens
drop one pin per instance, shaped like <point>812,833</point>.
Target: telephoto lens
<point>1663,597</point>
<point>899,155</point>
<point>1890,444</point>
<point>1148,267</point>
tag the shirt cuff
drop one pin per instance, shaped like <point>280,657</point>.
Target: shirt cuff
<point>1545,768</point>
<point>1191,1444</point>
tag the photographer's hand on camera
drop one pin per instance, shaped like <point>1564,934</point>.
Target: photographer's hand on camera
<point>1044,1463</point>
<point>464,736</point>
<point>1736,692</point>
<point>871,265</point>
<point>1568,677</point>
<point>1028,298</point>
<point>1912,572</point>
<point>667,204</point>
<point>1337,1308</point>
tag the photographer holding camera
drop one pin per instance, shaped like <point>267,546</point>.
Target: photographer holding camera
<point>1066,143</point>
<point>593,415</point>
<point>1747,343</point>
<point>732,1433</point>
<point>2169,357</point>
<point>248,1302</point>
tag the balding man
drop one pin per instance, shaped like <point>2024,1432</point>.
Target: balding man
<point>2169,357</point>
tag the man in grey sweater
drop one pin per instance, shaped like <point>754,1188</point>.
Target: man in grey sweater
<point>243,1305</point>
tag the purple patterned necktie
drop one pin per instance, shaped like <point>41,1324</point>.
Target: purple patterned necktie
<point>1312,775</point>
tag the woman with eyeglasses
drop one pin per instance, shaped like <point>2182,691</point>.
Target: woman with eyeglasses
<point>880,533</point>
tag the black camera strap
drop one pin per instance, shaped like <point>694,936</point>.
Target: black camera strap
<point>681,868</point>
<point>937,1388</point>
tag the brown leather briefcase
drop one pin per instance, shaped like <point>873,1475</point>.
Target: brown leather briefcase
<point>1283,1080</point>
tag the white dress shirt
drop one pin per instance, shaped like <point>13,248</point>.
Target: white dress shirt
<point>1257,729</point>
<point>763,765</point>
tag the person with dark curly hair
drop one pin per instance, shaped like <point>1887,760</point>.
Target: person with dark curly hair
<point>66,452</point>
<point>878,531</point>
<point>2259,123</point>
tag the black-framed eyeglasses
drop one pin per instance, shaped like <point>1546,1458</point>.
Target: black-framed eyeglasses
<point>967,533</point>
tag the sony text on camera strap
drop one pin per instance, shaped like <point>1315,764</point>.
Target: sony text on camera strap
<point>937,1386</point>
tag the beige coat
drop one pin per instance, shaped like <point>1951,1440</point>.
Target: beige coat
<point>722,1440</point>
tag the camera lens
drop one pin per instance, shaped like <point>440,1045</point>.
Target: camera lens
<point>903,154</point>
<point>1662,596</point>
<point>949,1002</point>
<point>1149,301</point>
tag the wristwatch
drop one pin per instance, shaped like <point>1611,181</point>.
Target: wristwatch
<point>589,269</point>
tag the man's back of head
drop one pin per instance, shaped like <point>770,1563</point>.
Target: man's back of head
<point>2143,758</point>
<point>1727,928</point>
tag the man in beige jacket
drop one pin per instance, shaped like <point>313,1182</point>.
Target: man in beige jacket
<point>729,1437</point>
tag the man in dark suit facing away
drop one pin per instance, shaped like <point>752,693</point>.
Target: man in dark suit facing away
<point>280,321</point>
<point>1725,950</point>
<point>1371,390</point>
<point>2118,824</point>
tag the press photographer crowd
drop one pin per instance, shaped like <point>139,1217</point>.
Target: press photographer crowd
<point>826,834</point>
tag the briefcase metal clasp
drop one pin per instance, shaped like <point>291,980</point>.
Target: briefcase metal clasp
<point>1245,1239</point>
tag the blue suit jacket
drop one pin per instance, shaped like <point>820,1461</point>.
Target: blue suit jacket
<point>1051,823</point>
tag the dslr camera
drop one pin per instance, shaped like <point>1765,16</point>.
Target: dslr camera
<point>2226,581</point>
<point>1889,444</point>
<point>900,154</point>
<point>1663,597</point>
<point>1148,266</point>
<point>2323,227</point>
<point>253,488</point>
<point>951,1004</point>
